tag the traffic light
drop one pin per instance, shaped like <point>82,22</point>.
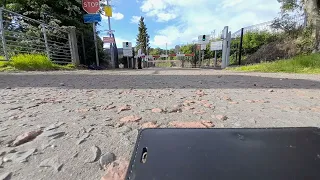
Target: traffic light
<point>203,37</point>
<point>127,44</point>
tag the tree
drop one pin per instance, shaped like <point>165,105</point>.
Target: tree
<point>143,37</point>
<point>285,23</point>
<point>186,49</point>
<point>156,51</point>
<point>312,11</point>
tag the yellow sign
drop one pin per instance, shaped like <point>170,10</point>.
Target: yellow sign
<point>108,11</point>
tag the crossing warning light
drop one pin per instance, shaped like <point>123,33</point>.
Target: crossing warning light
<point>204,38</point>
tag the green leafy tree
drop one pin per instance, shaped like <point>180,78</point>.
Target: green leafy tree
<point>143,37</point>
<point>62,13</point>
<point>171,51</point>
<point>186,49</point>
<point>155,51</point>
<point>312,11</point>
<point>189,49</point>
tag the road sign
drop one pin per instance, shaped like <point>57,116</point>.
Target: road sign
<point>216,46</point>
<point>91,6</point>
<point>108,11</point>
<point>91,18</point>
<point>108,39</point>
<point>204,39</point>
<point>127,52</point>
<point>127,45</point>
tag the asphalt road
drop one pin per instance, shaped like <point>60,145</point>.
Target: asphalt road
<point>82,115</point>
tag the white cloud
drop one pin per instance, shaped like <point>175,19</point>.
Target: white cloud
<point>135,19</point>
<point>148,5</point>
<point>193,18</point>
<point>161,41</point>
<point>117,16</point>
<point>228,3</point>
<point>163,17</point>
<point>158,9</point>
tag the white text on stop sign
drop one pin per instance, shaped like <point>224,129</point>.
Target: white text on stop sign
<point>90,4</point>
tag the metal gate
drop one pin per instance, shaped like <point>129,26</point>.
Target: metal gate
<point>22,35</point>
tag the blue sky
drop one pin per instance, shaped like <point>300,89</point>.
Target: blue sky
<point>176,22</point>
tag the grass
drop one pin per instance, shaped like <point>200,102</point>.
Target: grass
<point>307,64</point>
<point>32,62</point>
<point>3,64</point>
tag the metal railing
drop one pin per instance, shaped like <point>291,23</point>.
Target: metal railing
<point>300,21</point>
<point>22,35</point>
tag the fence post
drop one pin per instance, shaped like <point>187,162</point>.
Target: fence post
<point>70,46</point>
<point>240,47</point>
<point>229,49</point>
<point>3,37</point>
<point>237,47</point>
<point>225,47</point>
<point>76,59</point>
<point>73,45</point>
<point>43,27</point>
<point>215,59</point>
<point>83,49</point>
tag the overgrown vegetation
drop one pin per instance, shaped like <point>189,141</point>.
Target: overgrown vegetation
<point>62,13</point>
<point>252,42</point>
<point>309,64</point>
<point>311,8</point>
<point>32,62</point>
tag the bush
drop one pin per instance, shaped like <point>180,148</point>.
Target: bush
<point>252,42</point>
<point>32,62</point>
<point>305,42</point>
<point>3,64</point>
<point>298,64</point>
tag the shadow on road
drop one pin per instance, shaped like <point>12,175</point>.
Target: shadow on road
<point>83,81</point>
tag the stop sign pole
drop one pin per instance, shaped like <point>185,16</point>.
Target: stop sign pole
<point>111,44</point>
<point>92,7</point>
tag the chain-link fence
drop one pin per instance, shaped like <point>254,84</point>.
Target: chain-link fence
<point>23,35</point>
<point>249,40</point>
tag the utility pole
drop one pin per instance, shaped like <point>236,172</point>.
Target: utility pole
<point>111,44</point>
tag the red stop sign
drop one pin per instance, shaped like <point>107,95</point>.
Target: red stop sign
<point>91,6</point>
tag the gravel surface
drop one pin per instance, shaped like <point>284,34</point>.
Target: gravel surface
<point>71,125</point>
